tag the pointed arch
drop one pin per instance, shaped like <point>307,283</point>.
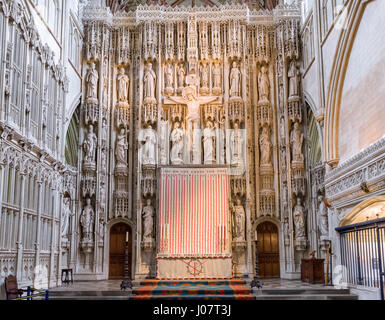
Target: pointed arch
<point>355,10</point>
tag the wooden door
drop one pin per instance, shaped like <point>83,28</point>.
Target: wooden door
<point>268,250</point>
<point>117,250</point>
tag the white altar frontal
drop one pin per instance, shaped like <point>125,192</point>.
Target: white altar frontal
<point>194,239</point>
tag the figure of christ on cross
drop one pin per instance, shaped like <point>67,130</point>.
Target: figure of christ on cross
<point>193,103</point>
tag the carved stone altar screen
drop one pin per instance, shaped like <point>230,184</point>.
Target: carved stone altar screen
<point>194,224</point>
<point>168,89</point>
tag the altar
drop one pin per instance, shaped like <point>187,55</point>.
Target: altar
<point>194,234</point>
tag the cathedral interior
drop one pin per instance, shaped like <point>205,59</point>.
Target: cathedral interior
<point>174,140</point>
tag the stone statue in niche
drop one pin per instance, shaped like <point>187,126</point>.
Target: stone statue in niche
<point>92,79</point>
<point>89,146</point>
<point>235,81</point>
<point>148,222</point>
<point>209,143</point>
<point>265,147</point>
<point>181,77</point>
<point>299,219</point>
<point>323,219</point>
<point>264,84</point>
<point>65,217</point>
<point>121,149</point>
<point>169,76</point>
<point>239,221</point>
<point>123,86</point>
<point>163,141</point>
<point>87,221</point>
<point>148,137</point>
<point>177,145</point>
<point>236,139</point>
<point>149,84</point>
<point>217,78</point>
<point>293,79</point>
<point>205,78</point>
<point>296,141</point>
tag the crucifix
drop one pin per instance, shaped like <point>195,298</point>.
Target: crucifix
<point>193,102</point>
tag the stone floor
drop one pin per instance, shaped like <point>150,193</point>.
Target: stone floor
<point>288,284</point>
<point>103,285</point>
<point>273,289</point>
<point>110,285</point>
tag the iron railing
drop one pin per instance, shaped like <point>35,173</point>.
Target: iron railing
<point>362,253</point>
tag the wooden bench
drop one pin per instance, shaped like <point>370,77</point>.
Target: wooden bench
<point>12,290</point>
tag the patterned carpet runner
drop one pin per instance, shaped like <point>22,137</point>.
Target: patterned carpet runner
<point>193,290</point>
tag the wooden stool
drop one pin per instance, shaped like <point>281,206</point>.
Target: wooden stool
<point>68,276</point>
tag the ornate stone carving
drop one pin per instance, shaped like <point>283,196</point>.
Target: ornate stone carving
<point>217,78</point>
<point>265,147</point>
<point>66,213</point>
<point>148,181</point>
<point>177,145</point>
<point>299,220</point>
<point>237,140</point>
<point>169,79</point>
<point>148,138</point>
<point>123,85</point>
<point>193,103</point>
<point>296,140</point>
<point>293,80</point>
<point>286,231</point>
<point>149,81</point>
<point>92,79</point>
<point>87,221</point>
<point>263,85</point>
<point>204,79</point>
<point>239,222</point>
<point>121,150</point>
<point>235,81</point>
<point>181,77</point>
<point>209,143</point>
<point>89,147</point>
<point>163,142</point>
<point>148,222</point>
<point>323,219</point>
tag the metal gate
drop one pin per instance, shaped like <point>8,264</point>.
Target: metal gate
<point>362,253</point>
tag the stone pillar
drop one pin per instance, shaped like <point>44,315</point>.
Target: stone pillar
<point>38,228</point>
<point>19,258</point>
<point>58,275</point>
<point>53,240</point>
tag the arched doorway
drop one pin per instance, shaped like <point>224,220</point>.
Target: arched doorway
<point>268,250</point>
<point>118,234</point>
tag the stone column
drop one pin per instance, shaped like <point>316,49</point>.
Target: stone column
<point>58,275</point>
<point>38,228</point>
<point>53,240</point>
<point>19,258</point>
